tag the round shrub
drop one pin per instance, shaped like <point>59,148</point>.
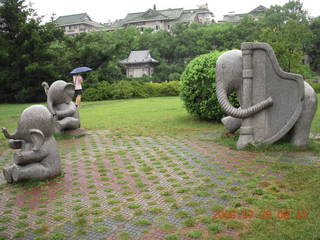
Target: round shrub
<point>198,90</point>
<point>315,86</point>
<point>304,70</point>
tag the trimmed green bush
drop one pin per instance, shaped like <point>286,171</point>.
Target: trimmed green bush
<point>304,70</point>
<point>130,89</point>
<point>315,86</point>
<point>198,90</point>
<point>122,90</point>
<point>101,91</point>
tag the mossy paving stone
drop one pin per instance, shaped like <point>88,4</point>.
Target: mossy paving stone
<point>155,234</point>
<point>28,235</point>
<point>103,174</point>
<point>113,236</point>
<point>294,158</point>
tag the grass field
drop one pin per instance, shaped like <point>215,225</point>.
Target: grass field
<point>156,164</point>
<point>151,116</point>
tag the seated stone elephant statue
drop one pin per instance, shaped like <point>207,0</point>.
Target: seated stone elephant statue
<point>59,99</point>
<point>39,156</point>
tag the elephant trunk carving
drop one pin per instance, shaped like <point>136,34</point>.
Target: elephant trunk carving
<point>45,86</point>
<point>10,136</point>
<point>51,109</point>
<point>223,78</point>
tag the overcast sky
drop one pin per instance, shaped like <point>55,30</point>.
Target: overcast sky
<point>102,11</point>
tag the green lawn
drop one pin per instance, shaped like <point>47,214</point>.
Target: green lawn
<point>150,116</point>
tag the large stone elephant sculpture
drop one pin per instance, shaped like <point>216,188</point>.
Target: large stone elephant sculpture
<point>39,157</point>
<point>273,103</point>
<point>59,100</point>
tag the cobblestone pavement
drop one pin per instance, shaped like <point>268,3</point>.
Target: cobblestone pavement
<point>129,188</point>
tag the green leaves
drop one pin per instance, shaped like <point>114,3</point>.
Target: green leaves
<point>198,87</point>
<point>31,53</point>
<point>288,41</point>
<point>25,57</point>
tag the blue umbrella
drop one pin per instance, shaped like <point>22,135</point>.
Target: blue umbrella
<point>80,70</point>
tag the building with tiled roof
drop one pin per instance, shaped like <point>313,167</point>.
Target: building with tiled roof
<point>139,64</point>
<point>163,19</point>
<point>77,23</point>
<point>236,18</point>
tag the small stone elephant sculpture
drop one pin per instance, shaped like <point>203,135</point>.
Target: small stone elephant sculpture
<point>273,103</point>
<point>59,99</point>
<point>39,157</point>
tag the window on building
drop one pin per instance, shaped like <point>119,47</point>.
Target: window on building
<point>157,27</point>
<point>168,26</point>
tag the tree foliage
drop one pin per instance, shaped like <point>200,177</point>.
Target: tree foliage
<point>313,48</point>
<point>286,28</point>
<point>25,57</point>
<point>32,52</point>
<point>289,43</point>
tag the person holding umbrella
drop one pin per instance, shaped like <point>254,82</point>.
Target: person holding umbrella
<point>77,80</point>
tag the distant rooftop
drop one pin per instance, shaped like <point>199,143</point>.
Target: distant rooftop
<point>142,56</point>
<point>177,14</point>
<point>257,10</point>
<point>76,19</point>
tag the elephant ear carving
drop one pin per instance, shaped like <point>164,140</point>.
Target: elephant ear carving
<point>37,139</point>
<point>68,92</point>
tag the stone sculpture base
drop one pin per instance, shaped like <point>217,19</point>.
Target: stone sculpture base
<point>79,132</point>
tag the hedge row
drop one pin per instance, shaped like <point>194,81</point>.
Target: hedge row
<point>130,89</point>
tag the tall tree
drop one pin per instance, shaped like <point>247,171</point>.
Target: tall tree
<point>277,15</point>
<point>25,57</point>
<point>314,44</point>
<point>286,29</point>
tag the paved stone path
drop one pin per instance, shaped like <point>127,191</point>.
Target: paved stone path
<point>128,188</point>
